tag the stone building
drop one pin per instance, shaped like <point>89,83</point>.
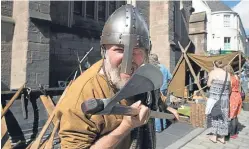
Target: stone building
<point>41,39</point>
<point>223,31</point>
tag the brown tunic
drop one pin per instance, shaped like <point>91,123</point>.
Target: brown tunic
<point>78,130</point>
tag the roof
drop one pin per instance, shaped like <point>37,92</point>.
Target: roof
<point>218,6</point>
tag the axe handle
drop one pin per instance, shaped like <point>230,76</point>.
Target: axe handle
<point>127,110</point>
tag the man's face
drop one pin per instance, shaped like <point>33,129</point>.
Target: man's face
<point>114,55</point>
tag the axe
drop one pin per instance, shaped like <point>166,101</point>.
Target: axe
<point>146,78</point>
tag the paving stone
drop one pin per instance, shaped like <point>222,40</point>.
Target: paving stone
<point>246,141</point>
<point>196,141</point>
<point>212,145</point>
<point>242,142</point>
<point>186,147</point>
<point>239,143</point>
<point>195,146</point>
<point>243,147</point>
<point>231,145</point>
<point>243,133</point>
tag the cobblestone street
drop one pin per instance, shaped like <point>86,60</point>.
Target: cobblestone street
<point>242,142</point>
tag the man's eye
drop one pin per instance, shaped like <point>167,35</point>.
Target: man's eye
<point>119,50</point>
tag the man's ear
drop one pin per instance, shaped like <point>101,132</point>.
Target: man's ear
<point>103,51</point>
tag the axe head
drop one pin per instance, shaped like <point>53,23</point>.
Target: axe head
<point>146,78</point>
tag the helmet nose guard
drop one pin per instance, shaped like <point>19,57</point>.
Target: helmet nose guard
<point>126,26</point>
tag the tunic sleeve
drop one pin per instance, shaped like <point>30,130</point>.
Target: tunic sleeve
<point>79,130</point>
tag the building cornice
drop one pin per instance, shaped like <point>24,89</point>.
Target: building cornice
<point>218,12</point>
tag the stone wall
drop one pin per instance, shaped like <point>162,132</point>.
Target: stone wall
<point>63,55</point>
<point>37,71</point>
<point>198,33</point>
<point>6,8</point>
<point>159,31</point>
<point>38,54</point>
<point>144,8</point>
<point>7,29</point>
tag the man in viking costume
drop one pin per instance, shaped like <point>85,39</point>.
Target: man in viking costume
<point>125,45</point>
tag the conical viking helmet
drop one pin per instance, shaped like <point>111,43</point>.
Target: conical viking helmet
<point>126,26</point>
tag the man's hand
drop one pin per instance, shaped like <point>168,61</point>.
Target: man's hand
<point>173,111</point>
<point>135,121</point>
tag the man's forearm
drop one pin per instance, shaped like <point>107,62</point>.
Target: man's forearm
<point>112,139</point>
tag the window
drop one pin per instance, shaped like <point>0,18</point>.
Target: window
<point>90,5</point>
<point>112,7</point>
<point>78,7</point>
<point>102,10</point>
<point>96,10</point>
<point>227,43</point>
<point>226,21</point>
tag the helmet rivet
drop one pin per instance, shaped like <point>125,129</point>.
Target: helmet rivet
<point>127,17</point>
<point>133,26</point>
<point>126,25</point>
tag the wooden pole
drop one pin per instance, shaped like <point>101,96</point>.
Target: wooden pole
<point>190,67</point>
<point>4,134</point>
<point>6,108</point>
<point>49,106</point>
<point>233,59</point>
<point>49,144</point>
<point>37,142</point>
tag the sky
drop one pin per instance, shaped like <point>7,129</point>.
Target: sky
<point>231,3</point>
<point>241,7</point>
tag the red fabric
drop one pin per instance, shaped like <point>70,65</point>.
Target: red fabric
<point>235,98</point>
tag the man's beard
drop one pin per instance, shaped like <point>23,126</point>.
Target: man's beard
<point>113,74</point>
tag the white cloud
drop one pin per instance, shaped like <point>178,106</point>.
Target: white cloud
<point>242,9</point>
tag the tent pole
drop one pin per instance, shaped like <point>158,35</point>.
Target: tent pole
<point>184,51</point>
<point>177,65</point>
<point>232,59</point>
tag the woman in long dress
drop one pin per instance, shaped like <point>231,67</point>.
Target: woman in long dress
<point>235,103</point>
<point>219,124</point>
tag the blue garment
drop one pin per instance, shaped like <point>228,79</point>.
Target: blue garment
<point>166,77</point>
<point>158,124</point>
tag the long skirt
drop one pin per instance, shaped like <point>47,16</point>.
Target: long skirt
<point>219,125</point>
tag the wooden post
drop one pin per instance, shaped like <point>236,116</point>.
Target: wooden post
<point>232,59</point>
<point>49,106</point>
<point>190,67</point>
<point>36,143</point>
<point>6,108</point>
<point>4,134</point>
